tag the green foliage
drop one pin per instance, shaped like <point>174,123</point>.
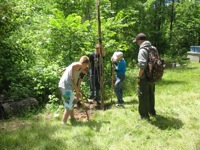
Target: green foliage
<point>15,59</point>
<point>186,24</point>
<point>40,37</point>
<point>46,83</point>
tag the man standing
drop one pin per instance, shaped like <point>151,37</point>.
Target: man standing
<point>146,89</point>
<point>95,72</point>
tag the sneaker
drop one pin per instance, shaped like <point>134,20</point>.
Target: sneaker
<point>90,100</point>
<point>118,104</point>
<point>144,118</point>
<point>79,104</point>
<point>96,99</point>
<point>91,97</point>
<point>122,102</point>
<point>98,103</point>
<point>153,115</point>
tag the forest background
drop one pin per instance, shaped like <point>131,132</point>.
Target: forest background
<point>39,38</point>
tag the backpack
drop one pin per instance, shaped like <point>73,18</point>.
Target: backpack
<point>155,68</point>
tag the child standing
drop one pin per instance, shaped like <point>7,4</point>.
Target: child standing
<point>120,69</point>
<point>68,83</point>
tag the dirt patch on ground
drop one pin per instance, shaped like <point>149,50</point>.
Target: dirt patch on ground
<point>83,114</point>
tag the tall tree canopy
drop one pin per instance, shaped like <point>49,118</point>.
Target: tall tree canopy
<point>40,37</point>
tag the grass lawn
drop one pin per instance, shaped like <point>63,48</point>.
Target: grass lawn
<point>176,127</point>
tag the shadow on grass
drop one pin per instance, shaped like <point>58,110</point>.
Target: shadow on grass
<point>92,124</point>
<point>166,123</point>
<point>132,102</point>
<point>167,82</point>
<point>109,105</point>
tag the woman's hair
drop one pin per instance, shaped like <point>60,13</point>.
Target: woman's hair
<point>84,59</point>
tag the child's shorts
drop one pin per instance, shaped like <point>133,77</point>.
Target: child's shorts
<point>68,99</point>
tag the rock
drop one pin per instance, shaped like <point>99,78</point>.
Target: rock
<point>12,108</point>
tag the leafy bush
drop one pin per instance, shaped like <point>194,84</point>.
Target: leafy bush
<point>46,83</point>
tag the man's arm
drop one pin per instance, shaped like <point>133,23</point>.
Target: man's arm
<point>140,72</point>
<point>142,63</point>
<point>81,76</point>
<point>75,68</point>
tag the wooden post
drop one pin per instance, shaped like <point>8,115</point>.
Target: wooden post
<point>112,82</point>
<point>101,58</point>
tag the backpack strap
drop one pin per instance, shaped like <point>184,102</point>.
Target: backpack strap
<point>148,50</point>
<point>155,50</point>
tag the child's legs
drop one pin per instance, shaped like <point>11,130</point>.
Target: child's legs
<point>65,116</point>
<point>118,87</point>
<point>72,114</point>
<point>68,100</point>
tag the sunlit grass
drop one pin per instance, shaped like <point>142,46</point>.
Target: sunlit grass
<point>175,128</point>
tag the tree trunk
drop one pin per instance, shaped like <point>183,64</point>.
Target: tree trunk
<point>101,58</point>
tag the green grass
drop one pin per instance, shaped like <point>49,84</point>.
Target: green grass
<point>177,126</point>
